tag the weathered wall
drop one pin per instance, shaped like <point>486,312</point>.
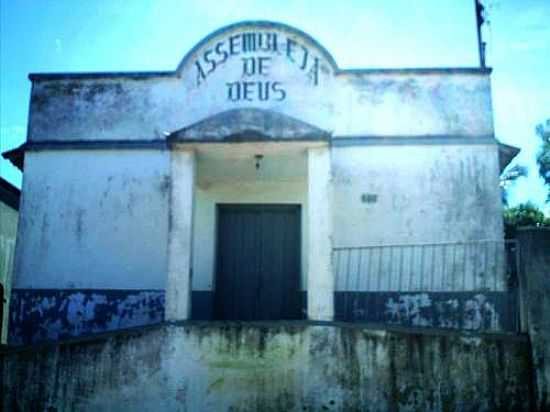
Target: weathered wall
<point>396,105</point>
<point>8,232</point>
<point>92,250</point>
<point>271,367</point>
<point>38,315</point>
<point>534,246</point>
<point>475,311</point>
<point>94,219</point>
<point>453,187</point>
<point>300,78</point>
<point>95,225</point>
<point>102,214</point>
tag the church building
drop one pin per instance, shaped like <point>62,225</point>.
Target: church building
<point>259,182</point>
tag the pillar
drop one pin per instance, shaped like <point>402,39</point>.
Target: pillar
<point>180,235</point>
<point>320,277</point>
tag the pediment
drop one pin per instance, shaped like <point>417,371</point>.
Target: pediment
<point>248,124</point>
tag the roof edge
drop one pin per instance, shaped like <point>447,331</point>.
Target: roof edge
<point>9,194</point>
<point>506,154</point>
<point>100,75</point>
<point>174,74</point>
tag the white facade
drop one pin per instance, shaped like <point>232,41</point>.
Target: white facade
<point>124,171</point>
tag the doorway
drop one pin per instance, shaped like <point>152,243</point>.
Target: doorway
<point>258,262</point>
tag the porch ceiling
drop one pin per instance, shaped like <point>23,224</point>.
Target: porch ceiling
<point>280,161</point>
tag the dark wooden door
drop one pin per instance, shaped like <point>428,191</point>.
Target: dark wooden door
<point>258,262</point>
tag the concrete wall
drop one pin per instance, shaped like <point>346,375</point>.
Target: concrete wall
<point>453,187</point>
<point>94,219</point>
<point>270,367</point>
<point>95,223</point>
<point>8,232</point>
<point>534,285</point>
<point>394,104</point>
<point>95,227</point>
<point>377,102</point>
<point>92,251</point>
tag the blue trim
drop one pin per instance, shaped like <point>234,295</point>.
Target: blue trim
<point>38,315</point>
<point>479,311</point>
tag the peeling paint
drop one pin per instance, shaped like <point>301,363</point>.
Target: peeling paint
<point>39,315</point>
<point>490,311</point>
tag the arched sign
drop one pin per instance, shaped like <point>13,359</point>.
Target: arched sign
<point>257,62</point>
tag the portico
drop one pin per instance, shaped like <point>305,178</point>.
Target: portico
<point>243,158</point>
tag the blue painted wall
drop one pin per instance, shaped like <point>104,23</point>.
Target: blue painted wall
<point>48,314</point>
<point>479,311</point>
<point>39,315</point>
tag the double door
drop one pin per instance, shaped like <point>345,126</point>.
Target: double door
<point>258,263</point>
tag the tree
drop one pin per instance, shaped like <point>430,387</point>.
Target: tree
<point>508,178</point>
<point>525,214</point>
<point>543,156</point>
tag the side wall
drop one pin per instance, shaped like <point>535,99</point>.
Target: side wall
<point>92,248</point>
<point>425,193</point>
<point>271,367</point>
<point>445,200</point>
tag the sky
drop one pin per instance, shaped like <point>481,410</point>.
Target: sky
<point>142,35</point>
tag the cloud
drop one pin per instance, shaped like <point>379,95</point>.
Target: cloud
<point>58,46</point>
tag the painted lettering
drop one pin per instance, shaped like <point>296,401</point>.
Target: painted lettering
<point>248,44</point>
<point>233,91</point>
<point>263,91</point>
<point>263,65</point>
<point>200,73</point>
<point>247,90</point>
<point>249,66</point>
<point>290,45</point>
<point>313,73</point>
<point>304,59</point>
<point>208,60</point>
<point>251,91</point>
<point>277,88</point>
<point>255,65</point>
<point>221,52</point>
<point>234,45</point>
<point>269,44</point>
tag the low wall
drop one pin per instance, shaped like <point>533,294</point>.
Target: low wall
<point>535,298</point>
<point>279,366</point>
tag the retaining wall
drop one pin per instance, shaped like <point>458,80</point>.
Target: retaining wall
<point>280,366</point>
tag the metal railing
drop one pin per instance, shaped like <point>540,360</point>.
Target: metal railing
<point>449,266</point>
<point>470,285</point>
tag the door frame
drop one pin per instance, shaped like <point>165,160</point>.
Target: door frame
<point>253,205</point>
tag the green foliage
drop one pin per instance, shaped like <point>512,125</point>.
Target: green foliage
<point>525,214</point>
<point>509,177</point>
<point>543,156</point>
